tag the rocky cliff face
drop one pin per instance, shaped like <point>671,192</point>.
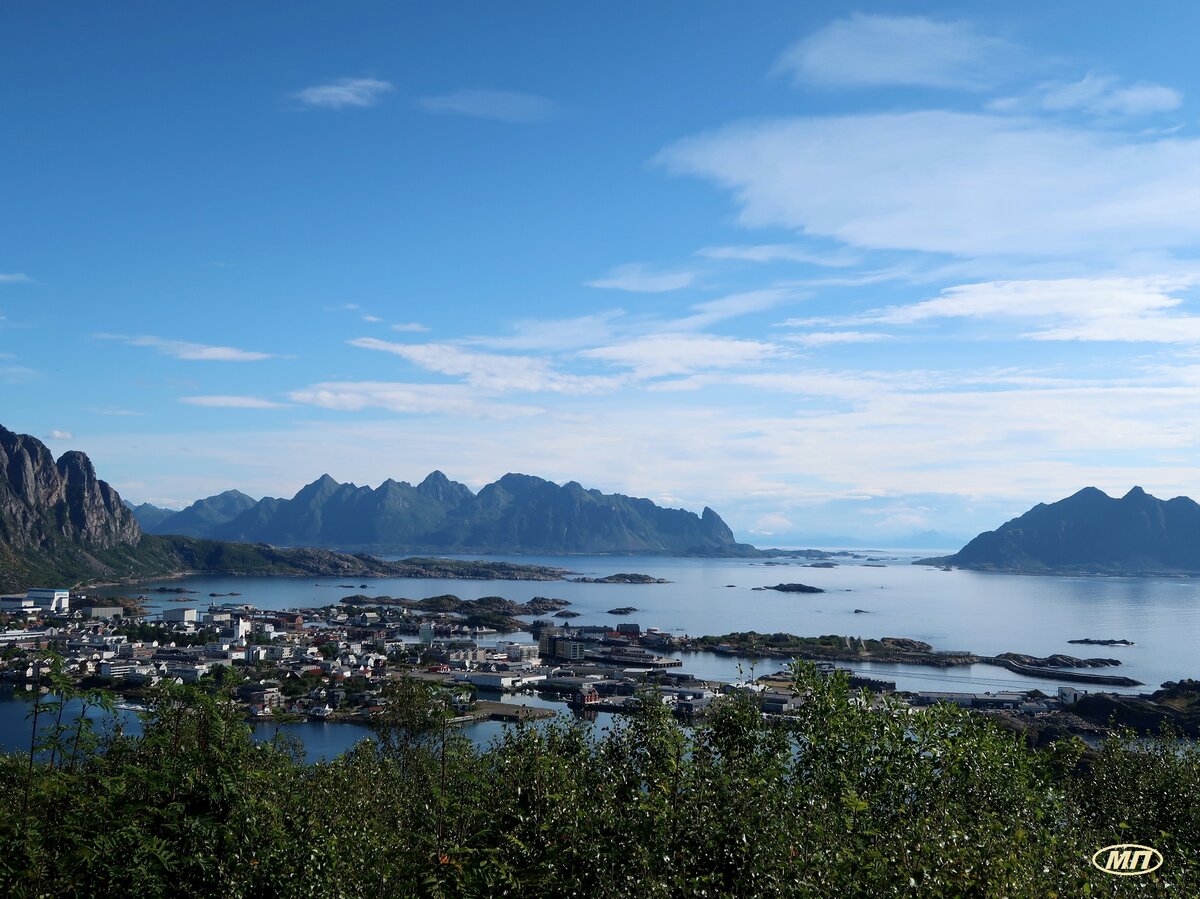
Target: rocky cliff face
<point>44,503</point>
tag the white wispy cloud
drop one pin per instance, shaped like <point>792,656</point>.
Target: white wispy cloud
<point>781,253</point>
<point>231,402</point>
<point>344,92</point>
<point>829,338</point>
<point>431,399</point>
<point>503,106</point>
<point>745,303</point>
<point>118,413</point>
<point>1107,95</point>
<point>409,327</point>
<point>18,374</point>
<point>557,334</point>
<point>374,319</point>
<point>640,278</point>
<point>662,355</point>
<point>1128,309</point>
<point>1072,298</point>
<point>1103,96</point>
<point>903,51</point>
<point>958,183</point>
<point>500,373</point>
<point>182,349</point>
<point>57,434</point>
<point>15,278</point>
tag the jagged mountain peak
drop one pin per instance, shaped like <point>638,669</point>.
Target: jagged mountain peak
<point>516,513</point>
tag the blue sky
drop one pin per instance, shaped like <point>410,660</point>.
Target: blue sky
<point>829,270</point>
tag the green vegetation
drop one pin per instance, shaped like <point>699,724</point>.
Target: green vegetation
<point>840,801</point>
<point>755,640</point>
<point>145,632</point>
<point>826,646</point>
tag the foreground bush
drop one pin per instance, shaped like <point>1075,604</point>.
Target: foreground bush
<point>841,802</point>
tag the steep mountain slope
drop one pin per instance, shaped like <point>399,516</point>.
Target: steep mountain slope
<point>44,503</point>
<point>149,515</point>
<point>203,516</point>
<point>1091,532</point>
<point>518,513</point>
<point>327,513</point>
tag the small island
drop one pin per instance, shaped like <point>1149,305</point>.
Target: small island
<point>1088,641</point>
<point>622,610</point>
<point>622,578</point>
<point>492,612</point>
<point>793,588</point>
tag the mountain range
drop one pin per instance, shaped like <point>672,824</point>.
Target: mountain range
<point>516,514</point>
<point>61,525</point>
<point>1090,532</point>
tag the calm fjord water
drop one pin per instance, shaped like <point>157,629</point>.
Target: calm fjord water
<point>985,613</point>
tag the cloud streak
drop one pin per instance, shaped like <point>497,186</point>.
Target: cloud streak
<point>1145,309</point>
<point>193,352</point>
<point>231,402</point>
<point>663,355</point>
<point>495,372</point>
<point>501,106</point>
<point>416,399</point>
<point>344,92</point>
<point>640,278</point>
<point>898,51</point>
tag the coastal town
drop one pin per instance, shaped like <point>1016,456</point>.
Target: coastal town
<point>332,663</point>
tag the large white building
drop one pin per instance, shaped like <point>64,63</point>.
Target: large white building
<point>50,600</point>
<point>44,599</point>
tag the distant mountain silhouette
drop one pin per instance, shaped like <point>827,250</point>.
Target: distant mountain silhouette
<point>1090,532</point>
<point>198,519</point>
<point>148,515</point>
<point>516,514</point>
<point>60,525</point>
